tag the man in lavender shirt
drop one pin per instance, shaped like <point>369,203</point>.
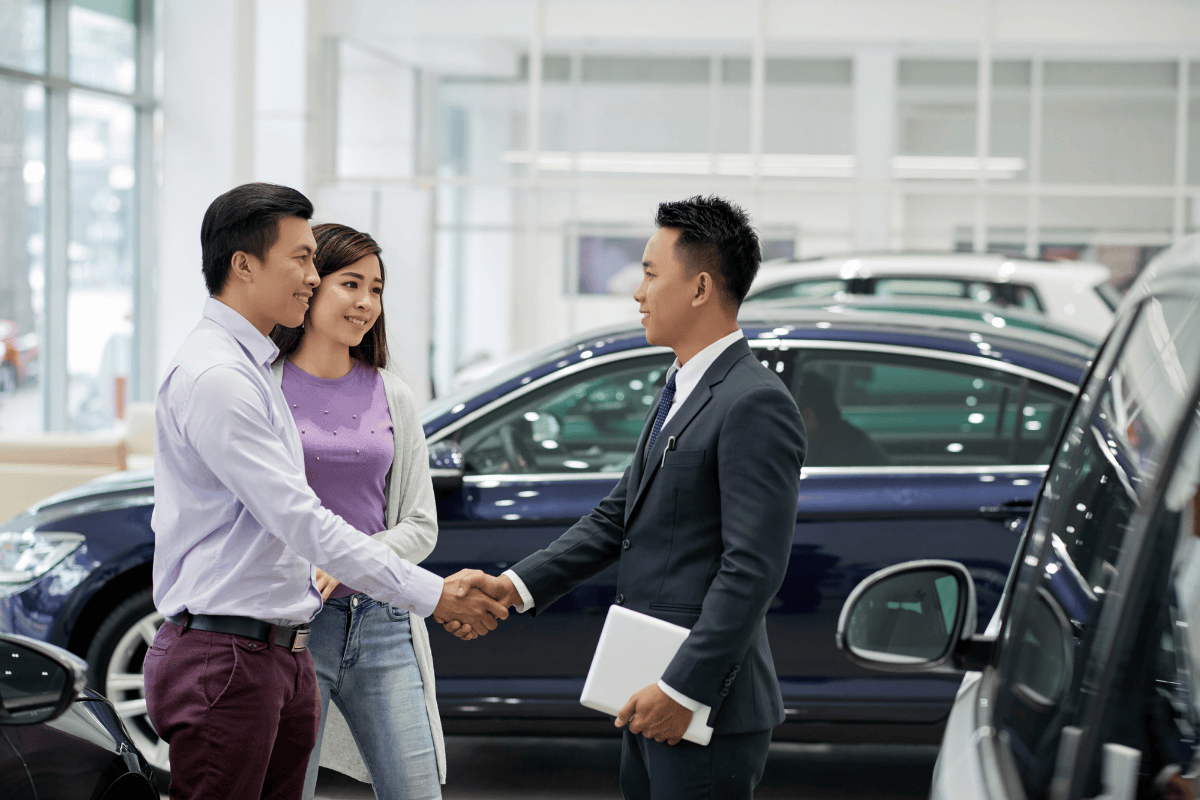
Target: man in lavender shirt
<point>230,685</point>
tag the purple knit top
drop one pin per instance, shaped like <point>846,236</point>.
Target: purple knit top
<point>346,430</point>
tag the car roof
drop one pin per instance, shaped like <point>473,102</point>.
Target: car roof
<point>1053,355</point>
<point>982,266</point>
<point>954,307</point>
<point>1177,266</point>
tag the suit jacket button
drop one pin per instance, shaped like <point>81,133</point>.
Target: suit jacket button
<point>724,693</point>
<point>620,599</point>
<point>625,545</point>
<point>728,681</point>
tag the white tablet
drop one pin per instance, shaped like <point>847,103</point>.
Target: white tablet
<point>634,651</point>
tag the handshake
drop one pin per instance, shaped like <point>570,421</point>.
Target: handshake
<point>474,602</point>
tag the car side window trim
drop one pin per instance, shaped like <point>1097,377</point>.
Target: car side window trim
<point>918,352</point>
<point>500,478</point>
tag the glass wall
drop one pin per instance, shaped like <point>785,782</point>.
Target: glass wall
<point>73,103</point>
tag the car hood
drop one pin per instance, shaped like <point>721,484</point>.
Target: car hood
<point>126,480</point>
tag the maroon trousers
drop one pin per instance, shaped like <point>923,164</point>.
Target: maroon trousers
<point>240,716</point>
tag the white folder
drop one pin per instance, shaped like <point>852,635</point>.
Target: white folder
<point>634,651</point>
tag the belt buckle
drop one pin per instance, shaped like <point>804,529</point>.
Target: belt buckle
<point>301,640</point>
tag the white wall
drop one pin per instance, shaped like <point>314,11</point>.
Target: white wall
<point>207,112</point>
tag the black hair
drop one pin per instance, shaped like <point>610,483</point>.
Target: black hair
<point>715,236</point>
<point>245,218</point>
<point>339,246</point>
<point>816,392</point>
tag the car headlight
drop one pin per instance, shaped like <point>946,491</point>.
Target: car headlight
<point>26,555</point>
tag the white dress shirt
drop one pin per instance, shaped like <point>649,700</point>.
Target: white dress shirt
<point>237,529</point>
<point>687,377</point>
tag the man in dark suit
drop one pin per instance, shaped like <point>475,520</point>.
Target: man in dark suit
<point>701,523</point>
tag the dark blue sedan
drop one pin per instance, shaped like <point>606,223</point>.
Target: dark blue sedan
<point>929,438</point>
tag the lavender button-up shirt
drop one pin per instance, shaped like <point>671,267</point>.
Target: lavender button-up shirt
<point>237,529</point>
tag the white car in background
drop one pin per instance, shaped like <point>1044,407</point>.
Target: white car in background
<point>1075,294</point>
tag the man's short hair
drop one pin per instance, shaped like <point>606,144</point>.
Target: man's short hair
<point>714,237</point>
<point>247,219</point>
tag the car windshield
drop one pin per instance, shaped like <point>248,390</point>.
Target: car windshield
<point>503,373</point>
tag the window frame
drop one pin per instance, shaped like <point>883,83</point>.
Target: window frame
<point>54,78</point>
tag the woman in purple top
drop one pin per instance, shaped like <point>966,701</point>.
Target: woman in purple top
<point>365,457</point>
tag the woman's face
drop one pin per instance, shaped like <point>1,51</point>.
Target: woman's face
<point>347,303</point>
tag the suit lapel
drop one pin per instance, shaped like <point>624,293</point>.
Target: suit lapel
<point>642,476</point>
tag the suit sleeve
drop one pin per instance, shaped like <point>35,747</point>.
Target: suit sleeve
<point>586,549</point>
<point>760,450</point>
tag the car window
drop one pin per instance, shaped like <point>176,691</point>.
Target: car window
<point>1150,705</point>
<point>588,421</point>
<point>803,289</point>
<point>1110,454</point>
<point>881,409</point>
<point>1004,294</point>
<point>922,287</point>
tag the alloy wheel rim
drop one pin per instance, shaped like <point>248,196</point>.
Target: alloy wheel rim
<point>124,686</point>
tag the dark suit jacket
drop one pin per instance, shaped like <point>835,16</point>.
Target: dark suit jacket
<point>703,541</point>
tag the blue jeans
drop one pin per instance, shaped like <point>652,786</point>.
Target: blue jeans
<point>362,650</point>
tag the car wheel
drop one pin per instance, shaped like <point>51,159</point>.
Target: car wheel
<point>115,670</point>
<point>8,378</point>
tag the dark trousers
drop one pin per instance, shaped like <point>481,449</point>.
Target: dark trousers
<point>728,768</point>
<point>240,716</point>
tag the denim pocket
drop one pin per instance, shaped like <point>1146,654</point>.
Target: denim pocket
<point>396,614</point>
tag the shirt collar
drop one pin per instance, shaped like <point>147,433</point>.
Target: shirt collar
<point>260,348</point>
<point>690,373</point>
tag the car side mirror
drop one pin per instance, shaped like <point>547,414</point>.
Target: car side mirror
<point>910,617</point>
<point>38,681</point>
<point>446,465</point>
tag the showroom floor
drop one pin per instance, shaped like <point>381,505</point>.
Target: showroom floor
<point>553,769</point>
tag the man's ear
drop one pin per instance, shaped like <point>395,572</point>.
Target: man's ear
<point>241,267</point>
<point>704,290</point>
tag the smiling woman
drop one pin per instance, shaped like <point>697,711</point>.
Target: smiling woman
<point>365,458</point>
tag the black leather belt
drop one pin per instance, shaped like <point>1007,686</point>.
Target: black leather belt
<point>295,638</point>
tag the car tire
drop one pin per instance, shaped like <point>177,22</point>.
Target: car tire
<point>115,659</point>
<point>8,377</point>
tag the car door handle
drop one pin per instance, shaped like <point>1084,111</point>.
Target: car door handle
<point>1013,508</point>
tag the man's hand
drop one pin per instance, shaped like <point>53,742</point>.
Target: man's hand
<point>498,587</point>
<point>1178,788</point>
<point>654,715</point>
<point>465,601</point>
<point>326,583</point>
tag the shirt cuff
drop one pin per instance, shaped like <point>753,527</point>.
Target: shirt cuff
<point>682,699</point>
<point>423,591</point>
<point>526,597</point>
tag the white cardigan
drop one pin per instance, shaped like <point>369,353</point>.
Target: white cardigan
<point>412,533</point>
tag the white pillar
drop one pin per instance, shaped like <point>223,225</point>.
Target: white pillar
<point>205,146</point>
<point>280,80</point>
<point>874,143</point>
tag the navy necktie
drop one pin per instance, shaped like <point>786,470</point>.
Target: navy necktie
<point>664,406</point>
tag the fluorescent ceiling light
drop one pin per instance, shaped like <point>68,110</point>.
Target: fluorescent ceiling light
<point>772,165</point>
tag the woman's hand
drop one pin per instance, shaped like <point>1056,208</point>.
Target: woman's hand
<point>326,583</point>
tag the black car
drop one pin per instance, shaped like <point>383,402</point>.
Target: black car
<point>61,740</point>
